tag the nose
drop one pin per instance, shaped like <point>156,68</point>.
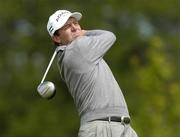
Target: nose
<point>73,27</point>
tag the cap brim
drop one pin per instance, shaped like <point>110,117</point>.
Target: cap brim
<point>76,15</point>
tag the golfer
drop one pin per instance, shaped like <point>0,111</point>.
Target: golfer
<point>99,100</point>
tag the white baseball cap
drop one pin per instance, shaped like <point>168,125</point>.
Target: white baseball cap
<point>59,18</point>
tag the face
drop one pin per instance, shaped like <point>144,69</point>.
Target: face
<point>70,31</point>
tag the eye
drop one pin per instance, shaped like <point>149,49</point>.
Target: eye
<point>66,26</point>
<point>75,23</point>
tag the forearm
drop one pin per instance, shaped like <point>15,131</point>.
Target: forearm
<point>94,32</point>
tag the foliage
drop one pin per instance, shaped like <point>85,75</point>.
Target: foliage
<point>144,60</point>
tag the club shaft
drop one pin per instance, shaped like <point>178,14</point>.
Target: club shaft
<point>49,65</point>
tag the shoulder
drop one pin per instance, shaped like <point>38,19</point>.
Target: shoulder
<point>81,40</point>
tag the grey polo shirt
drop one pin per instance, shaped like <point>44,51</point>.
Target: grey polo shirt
<point>90,81</point>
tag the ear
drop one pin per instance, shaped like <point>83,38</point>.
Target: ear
<point>56,39</point>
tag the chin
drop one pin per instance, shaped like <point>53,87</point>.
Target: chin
<point>74,37</point>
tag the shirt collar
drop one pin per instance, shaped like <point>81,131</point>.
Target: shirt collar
<point>61,48</point>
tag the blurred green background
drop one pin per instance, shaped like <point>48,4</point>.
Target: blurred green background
<point>144,60</point>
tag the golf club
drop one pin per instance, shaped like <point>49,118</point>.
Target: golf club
<point>47,89</point>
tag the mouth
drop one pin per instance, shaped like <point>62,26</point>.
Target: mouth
<point>76,34</point>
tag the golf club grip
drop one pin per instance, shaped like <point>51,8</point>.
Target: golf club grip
<point>49,65</point>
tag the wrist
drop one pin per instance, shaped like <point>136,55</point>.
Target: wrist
<point>83,32</point>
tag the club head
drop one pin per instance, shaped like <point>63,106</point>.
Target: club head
<point>46,90</point>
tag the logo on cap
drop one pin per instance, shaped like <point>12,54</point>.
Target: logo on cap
<point>51,29</point>
<point>61,14</point>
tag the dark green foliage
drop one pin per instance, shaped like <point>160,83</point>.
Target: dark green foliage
<point>144,60</point>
